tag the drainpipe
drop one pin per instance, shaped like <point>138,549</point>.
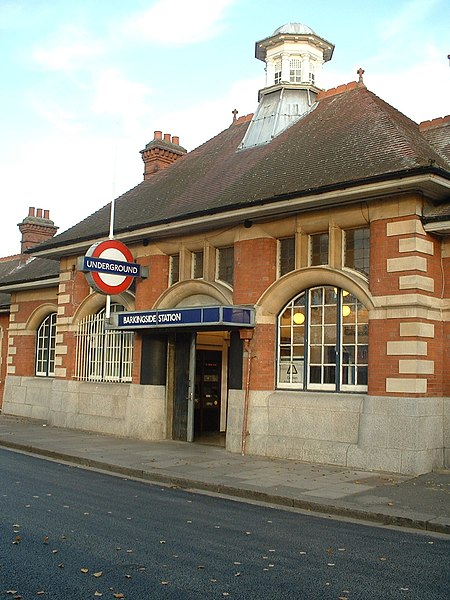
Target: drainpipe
<point>246,335</point>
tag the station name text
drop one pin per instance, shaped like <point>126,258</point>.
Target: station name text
<point>151,318</point>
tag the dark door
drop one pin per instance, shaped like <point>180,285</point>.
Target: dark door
<point>208,371</point>
<point>183,346</point>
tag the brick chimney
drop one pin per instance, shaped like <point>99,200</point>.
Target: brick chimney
<point>36,228</point>
<point>161,153</point>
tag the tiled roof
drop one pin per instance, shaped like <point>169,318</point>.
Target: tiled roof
<point>34,269</point>
<point>349,138</point>
<point>441,212</point>
<point>7,265</point>
<point>5,300</point>
<point>437,132</point>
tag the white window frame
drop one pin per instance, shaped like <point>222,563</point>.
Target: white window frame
<point>297,366</point>
<point>295,70</point>
<point>45,347</point>
<point>103,355</point>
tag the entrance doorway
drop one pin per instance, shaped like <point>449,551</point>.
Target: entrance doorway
<point>208,392</point>
<point>199,386</point>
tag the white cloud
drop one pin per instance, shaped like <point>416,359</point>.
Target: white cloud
<point>117,96</point>
<point>55,114</point>
<point>70,48</point>
<point>412,90</point>
<point>199,122</point>
<point>179,22</point>
<point>411,15</point>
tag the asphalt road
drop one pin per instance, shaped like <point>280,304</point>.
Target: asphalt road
<point>70,533</point>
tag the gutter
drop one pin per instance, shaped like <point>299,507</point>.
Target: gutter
<point>435,180</point>
<point>24,285</point>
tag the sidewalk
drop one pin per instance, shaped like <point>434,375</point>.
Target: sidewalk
<point>419,502</point>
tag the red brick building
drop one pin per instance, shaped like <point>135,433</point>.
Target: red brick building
<point>297,302</point>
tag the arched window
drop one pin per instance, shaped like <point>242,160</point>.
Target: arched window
<point>103,354</point>
<point>323,341</point>
<point>45,347</point>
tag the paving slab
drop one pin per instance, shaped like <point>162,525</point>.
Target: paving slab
<point>419,502</point>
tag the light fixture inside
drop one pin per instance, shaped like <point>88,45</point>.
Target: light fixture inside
<point>346,310</point>
<point>298,318</point>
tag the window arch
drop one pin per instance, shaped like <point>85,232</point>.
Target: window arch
<point>45,347</point>
<point>323,341</point>
<point>103,354</point>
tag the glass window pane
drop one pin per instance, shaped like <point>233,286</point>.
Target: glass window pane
<point>197,264</point>
<point>286,255</point>
<point>315,336</point>
<point>362,376</point>
<point>174,269</point>
<point>315,354</point>
<point>357,249</point>
<point>315,374</point>
<point>319,249</point>
<point>329,374</point>
<point>225,265</point>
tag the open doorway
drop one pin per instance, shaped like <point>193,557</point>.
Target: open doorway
<point>200,385</point>
<point>208,394</point>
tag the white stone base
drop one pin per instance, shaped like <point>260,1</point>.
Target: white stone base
<point>393,434</point>
<point>125,410</point>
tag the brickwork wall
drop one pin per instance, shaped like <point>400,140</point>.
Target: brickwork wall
<point>262,348</point>
<point>255,268</point>
<point>148,290</point>
<point>406,342</point>
<point>4,323</point>
<point>73,289</point>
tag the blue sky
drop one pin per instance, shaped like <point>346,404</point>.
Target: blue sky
<point>84,83</point>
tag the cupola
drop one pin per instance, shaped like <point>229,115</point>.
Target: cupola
<point>294,55</point>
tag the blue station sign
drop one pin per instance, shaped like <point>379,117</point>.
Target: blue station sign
<point>112,267</point>
<point>202,316</point>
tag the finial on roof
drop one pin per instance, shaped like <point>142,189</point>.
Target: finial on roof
<point>235,113</point>
<point>360,72</point>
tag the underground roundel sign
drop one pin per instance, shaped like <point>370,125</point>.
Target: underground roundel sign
<point>109,267</point>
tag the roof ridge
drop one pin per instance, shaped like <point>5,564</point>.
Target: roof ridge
<point>434,123</point>
<point>340,89</point>
<point>4,259</point>
<point>410,132</point>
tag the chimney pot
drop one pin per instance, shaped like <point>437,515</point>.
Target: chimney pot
<point>176,140</point>
<point>39,213</point>
<point>167,137</point>
<point>46,214</point>
<point>158,135</point>
<point>31,211</point>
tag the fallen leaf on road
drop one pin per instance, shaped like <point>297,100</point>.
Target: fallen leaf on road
<point>98,574</point>
<point>84,570</point>
<point>98,594</point>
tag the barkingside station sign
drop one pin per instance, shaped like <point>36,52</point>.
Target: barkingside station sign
<point>206,316</point>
